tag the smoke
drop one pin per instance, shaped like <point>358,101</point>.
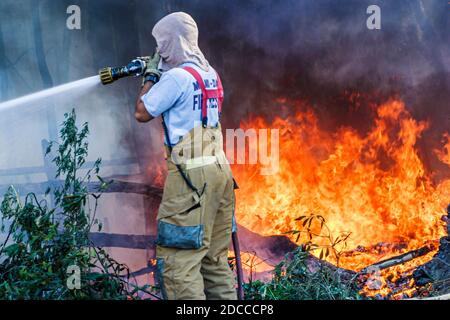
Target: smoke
<point>321,52</point>
<point>315,51</point>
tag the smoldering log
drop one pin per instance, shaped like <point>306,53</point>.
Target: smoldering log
<point>400,259</point>
<point>273,249</point>
<point>270,249</point>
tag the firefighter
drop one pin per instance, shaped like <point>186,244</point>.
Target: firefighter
<point>196,214</point>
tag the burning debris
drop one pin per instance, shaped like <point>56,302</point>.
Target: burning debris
<point>372,185</point>
<point>437,271</point>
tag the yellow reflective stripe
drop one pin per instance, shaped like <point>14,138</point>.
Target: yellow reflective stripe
<point>200,162</point>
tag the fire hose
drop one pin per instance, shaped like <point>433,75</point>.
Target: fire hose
<point>137,68</point>
<point>239,273</point>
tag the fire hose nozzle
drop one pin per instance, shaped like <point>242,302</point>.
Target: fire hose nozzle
<point>110,74</point>
<point>106,75</point>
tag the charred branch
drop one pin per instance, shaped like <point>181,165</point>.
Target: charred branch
<point>268,248</point>
<point>403,258</point>
<point>130,241</point>
<point>273,249</point>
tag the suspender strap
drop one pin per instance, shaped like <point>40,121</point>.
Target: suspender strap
<point>220,93</point>
<point>201,83</point>
<point>207,94</point>
<point>182,173</point>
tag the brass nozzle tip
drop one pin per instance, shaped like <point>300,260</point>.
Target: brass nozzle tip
<point>106,75</point>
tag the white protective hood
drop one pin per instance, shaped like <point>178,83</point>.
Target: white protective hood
<point>177,38</point>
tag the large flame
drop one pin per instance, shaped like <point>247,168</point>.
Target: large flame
<point>373,185</point>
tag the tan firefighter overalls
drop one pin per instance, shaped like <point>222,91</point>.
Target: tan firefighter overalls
<point>196,217</point>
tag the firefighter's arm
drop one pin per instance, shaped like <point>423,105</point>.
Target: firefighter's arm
<point>141,114</point>
<point>150,77</point>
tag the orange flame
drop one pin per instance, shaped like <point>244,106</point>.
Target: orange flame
<point>373,185</point>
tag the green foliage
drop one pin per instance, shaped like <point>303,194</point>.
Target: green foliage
<point>44,243</point>
<point>319,237</point>
<point>293,280</point>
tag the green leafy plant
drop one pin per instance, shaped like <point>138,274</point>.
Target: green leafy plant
<point>45,243</point>
<point>320,237</point>
<point>293,279</point>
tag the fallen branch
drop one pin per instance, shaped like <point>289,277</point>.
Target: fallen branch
<point>126,187</point>
<point>130,241</point>
<point>391,262</point>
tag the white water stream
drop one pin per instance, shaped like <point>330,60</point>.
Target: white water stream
<point>79,84</point>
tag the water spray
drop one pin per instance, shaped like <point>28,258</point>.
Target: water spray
<point>43,94</point>
<point>106,75</point>
<point>135,68</point>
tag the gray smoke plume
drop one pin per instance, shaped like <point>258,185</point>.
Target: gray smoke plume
<point>309,50</point>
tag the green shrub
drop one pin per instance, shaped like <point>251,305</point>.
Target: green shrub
<point>46,243</point>
<point>293,280</point>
